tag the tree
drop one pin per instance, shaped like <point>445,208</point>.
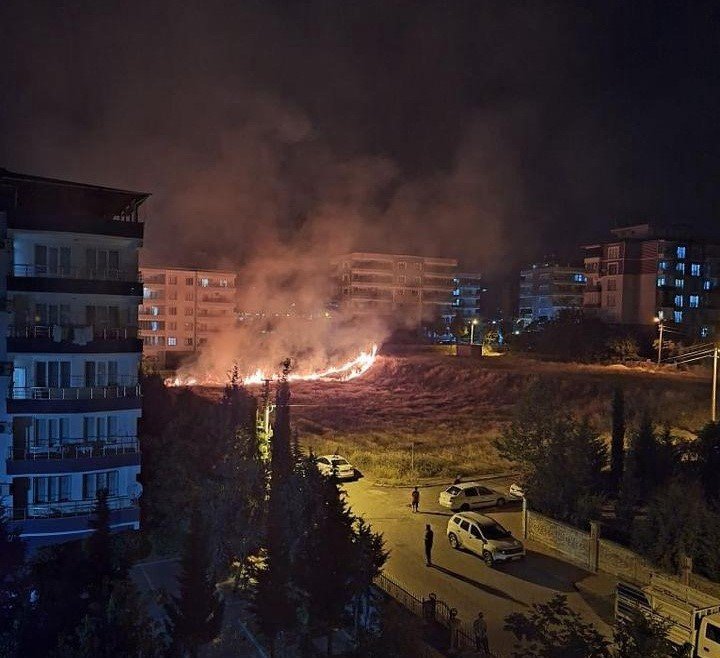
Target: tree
<point>617,444</point>
<point>552,630</point>
<point>458,326</point>
<point>652,456</point>
<point>643,636</point>
<point>195,616</point>
<point>706,449</point>
<point>13,585</point>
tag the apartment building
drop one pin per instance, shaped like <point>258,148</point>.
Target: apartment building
<point>408,289</point>
<point>646,271</point>
<point>182,309</point>
<point>547,289</point>
<point>468,295</point>
<point>69,394</point>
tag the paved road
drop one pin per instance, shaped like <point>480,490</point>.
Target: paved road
<point>461,579</point>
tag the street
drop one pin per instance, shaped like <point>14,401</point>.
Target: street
<point>461,579</point>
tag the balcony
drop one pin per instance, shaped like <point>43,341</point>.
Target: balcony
<point>70,508</point>
<point>73,399</point>
<point>68,338</point>
<point>73,455</point>
<point>82,280</point>
<point>212,299</point>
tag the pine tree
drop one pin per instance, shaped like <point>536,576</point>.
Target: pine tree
<point>707,452</point>
<point>100,551</point>
<point>617,446</point>
<point>12,585</point>
<point>195,616</point>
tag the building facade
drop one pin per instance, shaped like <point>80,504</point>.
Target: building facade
<point>468,296</point>
<point>644,272</point>
<point>182,309</point>
<point>70,399</point>
<point>547,289</point>
<point>408,289</point>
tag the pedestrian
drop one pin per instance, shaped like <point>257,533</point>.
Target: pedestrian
<point>481,634</point>
<point>429,535</point>
<point>457,480</point>
<point>415,499</point>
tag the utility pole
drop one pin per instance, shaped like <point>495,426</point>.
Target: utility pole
<point>661,326</point>
<point>714,383</point>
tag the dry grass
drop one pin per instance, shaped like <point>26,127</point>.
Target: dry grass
<point>452,408</point>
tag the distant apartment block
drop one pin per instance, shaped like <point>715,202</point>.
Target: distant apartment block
<point>644,271</point>
<point>409,289</point>
<point>468,295</point>
<point>546,289</point>
<point>69,355</point>
<point>182,309</point>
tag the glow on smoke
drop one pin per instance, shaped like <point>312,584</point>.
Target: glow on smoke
<point>344,372</point>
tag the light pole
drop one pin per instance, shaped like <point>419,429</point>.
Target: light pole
<point>661,326</point>
<point>714,384</point>
<point>472,331</point>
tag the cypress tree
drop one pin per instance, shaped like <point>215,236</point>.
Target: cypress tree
<point>617,445</point>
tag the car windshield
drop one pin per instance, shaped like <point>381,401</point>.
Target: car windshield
<point>339,462</point>
<point>495,531</point>
<point>453,491</point>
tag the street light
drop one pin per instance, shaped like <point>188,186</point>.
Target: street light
<point>661,326</point>
<point>472,331</point>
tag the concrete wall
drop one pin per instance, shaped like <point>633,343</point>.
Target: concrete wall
<point>565,539</point>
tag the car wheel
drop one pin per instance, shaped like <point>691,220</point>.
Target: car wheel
<point>500,502</point>
<point>464,507</point>
<point>488,558</point>
<point>453,541</point>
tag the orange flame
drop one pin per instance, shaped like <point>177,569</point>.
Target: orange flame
<point>344,372</point>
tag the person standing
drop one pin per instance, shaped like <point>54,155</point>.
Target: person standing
<point>481,634</point>
<point>415,499</point>
<point>429,536</point>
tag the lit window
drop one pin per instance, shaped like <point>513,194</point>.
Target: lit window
<point>613,252</point>
<point>661,281</point>
<point>154,310</point>
<point>580,278</point>
<point>154,325</point>
<point>695,269</point>
<point>172,340</point>
<point>662,265</point>
<point>681,252</point>
<point>678,317</point>
<point>680,267</point>
<point>678,300</point>
<point>694,301</point>
<point>204,282</point>
<point>679,283</point>
<point>704,332</point>
<point>707,285</point>
<point>146,292</point>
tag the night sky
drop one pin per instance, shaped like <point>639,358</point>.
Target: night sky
<point>491,131</point>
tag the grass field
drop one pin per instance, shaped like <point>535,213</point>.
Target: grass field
<point>452,408</point>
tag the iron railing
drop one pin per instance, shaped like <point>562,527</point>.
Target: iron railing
<point>69,332</point>
<point>74,272</point>
<point>76,449</point>
<point>60,509</point>
<point>75,392</point>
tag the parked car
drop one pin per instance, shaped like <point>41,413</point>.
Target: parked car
<point>516,491</point>
<point>336,466</point>
<point>484,536</point>
<point>469,495</point>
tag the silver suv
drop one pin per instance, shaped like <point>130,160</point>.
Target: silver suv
<point>485,536</point>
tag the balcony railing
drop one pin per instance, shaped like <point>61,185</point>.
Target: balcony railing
<point>210,299</point>
<point>69,508</point>
<point>71,332</point>
<point>74,392</point>
<point>77,449</point>
<point>106,274</point>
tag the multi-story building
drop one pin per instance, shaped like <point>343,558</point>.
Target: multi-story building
<point>182,309</point>
<point>69,394</point>
<point>468,295</point>
<point>548,288</point>
<point>409,289</point>
<point>646,271</point>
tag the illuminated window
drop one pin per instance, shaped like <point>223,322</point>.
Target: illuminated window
<point>679,283</point>
<point>680,267</point>
<point>681,252</point>
<point>695,269</point>
<point>662,281</point>
<point>613,252</point>
<point>694,301</point>
<point>204,282</point>
<point>678,317</point>
<point>678,300</point>
<point>580,278</point>
<point>707,285</point>
<point>662,265</point>
<point>704,332</point>
<point>172,340</point>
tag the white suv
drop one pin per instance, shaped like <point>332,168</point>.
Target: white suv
<point>335,466</point>
<point>485,536</point>
<point>468,495</point>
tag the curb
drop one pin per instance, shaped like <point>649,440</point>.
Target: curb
<point>433,482</point>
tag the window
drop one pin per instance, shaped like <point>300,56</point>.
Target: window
<point>52,489</point>
<point>707,285</point>
<point>612,268</point>
<point>52,260</point>
<point>579,278</point>
<point>50,431</point>
<point>92,482</point>
<point>613,253</point>
<point>678,300</point>
<point>704,332</point>
<point>189,281</point>
<point>464,525</point>
<point>172,341</point>
<point>188,311</point>
<point>172,279</point>
<point>105,263</point>
<point>694,301</point>
<point>189,296</point>
<point>662,265</point>
<point>172,326</point>
<point>612,285</point>
<point>204,283</point>
<point>189,342</point>
<point>475,532</point>
<point>172,310</point>
<point>188,326</point>
<point>680,283</point>
<point>680,267</point>
<point>681,252</point>
<point>52,374</point>
<point>678,317</point>
<point>610,300</point>
<point>712,633</point>
<point>695,269</point>
<point>402,265</point>
<point>484,491</point>
<point>661,281</point>
<point>472,491</point>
